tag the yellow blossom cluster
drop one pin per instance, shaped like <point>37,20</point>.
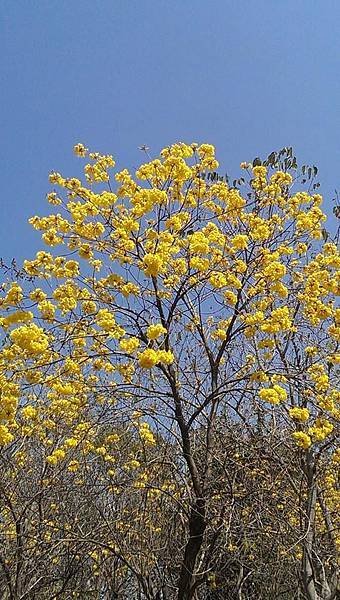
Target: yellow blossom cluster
<point>146,434</point>
<point>320,430</point>
<point>299,414</point>
<point>302,439</point>
<point>30,338</point>
<point>129,345</point>
<point>273,395</point>
<point>149,358</point>
<point>155,331</point>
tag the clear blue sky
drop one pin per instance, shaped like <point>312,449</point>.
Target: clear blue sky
<point>247,76</point>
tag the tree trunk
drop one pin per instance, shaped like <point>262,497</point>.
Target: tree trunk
<point>197,525</point>
<point>308,575</point>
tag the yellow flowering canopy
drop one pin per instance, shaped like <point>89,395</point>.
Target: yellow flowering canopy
<point>172,271</point>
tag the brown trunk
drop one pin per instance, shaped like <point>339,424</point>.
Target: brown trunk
<point>308,576</point>
<point>197,525</point>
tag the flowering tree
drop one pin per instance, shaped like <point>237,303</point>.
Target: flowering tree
<point>169,386</point>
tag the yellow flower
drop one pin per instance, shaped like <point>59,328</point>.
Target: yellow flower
<point>52,198</point>
<point>301,248</point>
<point>199,264</point>
<point>230,297</point>
<point>155,331</point>
<point>37,295</point>
<point>5,435</point>
<point>129,345</point>
<point>146,434</point>
<point>336,456</point>
<point>302,439</point>
<point>20,316</point>
<point>259,171</point>
<point>56,456</point>
<point>255,318</point>
<point>206,150</point>
<point>89,307</point>
<point>105,319</point>
<point>51,238</point>
<point>321,429</point>
<point>240,242</point>
<point>148,359</point>
<point>85,251</point>
<point>80,150</point>
<point>275,270</point>
<point>198,243</point>
<point>218,280</point>
<point>279,320</point>
<point>166,357</point>
<point>219,334</point>
<point>153,264</point>
<point>70,442</point>
<point>312,350</point>
<point>14,295</point>
<point>29,412</point>
<point>47,309</point>
<point>30,338</point>
<point>281,178</point>
<point>73,466</point>
<point>299,414</point>
<point>273,395</point>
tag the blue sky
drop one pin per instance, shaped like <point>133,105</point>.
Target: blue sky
<point>247,76</point>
